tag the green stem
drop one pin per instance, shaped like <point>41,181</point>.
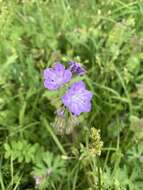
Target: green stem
<point>54,137</point>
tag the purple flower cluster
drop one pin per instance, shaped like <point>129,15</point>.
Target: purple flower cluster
<point>77,99</point>
<point>76,68</point>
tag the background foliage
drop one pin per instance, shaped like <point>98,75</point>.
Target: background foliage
<point>107,37</point>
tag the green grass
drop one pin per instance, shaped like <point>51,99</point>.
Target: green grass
<point>106,36</point>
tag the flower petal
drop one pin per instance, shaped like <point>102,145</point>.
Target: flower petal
<point>75,109</point>
<point>67,76</point>
<point>59,68</point>
<point>78,86</point>
<point>50,85</point>
<point>86,94</point>
<point>47,73</point>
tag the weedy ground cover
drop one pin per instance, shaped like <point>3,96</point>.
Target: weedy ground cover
<point>101,149</point>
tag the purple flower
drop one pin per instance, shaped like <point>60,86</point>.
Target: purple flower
<point>60,112</point>
<point>56,77</point>
<point>77,98</point>
<point>76,68</point>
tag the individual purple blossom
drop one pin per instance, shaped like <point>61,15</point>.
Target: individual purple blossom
<point>60,112</point>
<point>56,77</point>
<point>78,98</point>
<point>76,68</point>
